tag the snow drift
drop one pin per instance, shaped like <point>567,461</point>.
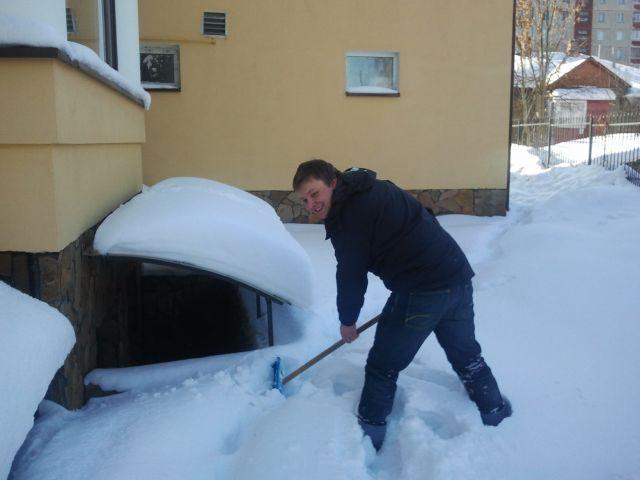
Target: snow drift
<point>34,341</point>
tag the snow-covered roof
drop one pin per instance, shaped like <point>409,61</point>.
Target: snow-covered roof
<point>20,31</point>
<point>34,342</point>
<point>215,227</point>
<point>631,75</point>
<point>560,64</point>
<point>583,93</point>
<point>526,69</point>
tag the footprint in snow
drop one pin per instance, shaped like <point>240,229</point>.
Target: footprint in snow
<point>443,423</point>
<point>438,377</point>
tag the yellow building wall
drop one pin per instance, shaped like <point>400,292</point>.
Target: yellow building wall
<point>70,152</point>
<point>90,182</point>
<point>272,94</point>
<point>27,198</point>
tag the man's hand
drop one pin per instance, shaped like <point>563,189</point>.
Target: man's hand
<point>349,334</point>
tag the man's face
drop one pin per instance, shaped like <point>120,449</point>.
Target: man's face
<point>316,196</point>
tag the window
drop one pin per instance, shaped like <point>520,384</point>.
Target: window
<point>635,52</point>
<point>620,17</point>
<point>622,2</point>
<point>619,53</point>
<point>93,24</point>
<point>635,35</point>
<point>600,35</point>
<point>619,35</point>
<point>602,17</point>
<point>636,16</point>
<point>372,73</point>
<point>71,22</point>
<point>160,67</point>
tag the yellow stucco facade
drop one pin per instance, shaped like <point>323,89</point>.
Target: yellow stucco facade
<point>70,152</point>
<point>272,93</point>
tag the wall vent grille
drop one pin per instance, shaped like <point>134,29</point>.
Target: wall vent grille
<point>214,24</point>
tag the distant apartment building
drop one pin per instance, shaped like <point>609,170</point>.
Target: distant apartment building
<point>582,28</point>
<point>615,30</point>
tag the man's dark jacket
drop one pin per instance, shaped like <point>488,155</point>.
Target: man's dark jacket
<point>377,227</point>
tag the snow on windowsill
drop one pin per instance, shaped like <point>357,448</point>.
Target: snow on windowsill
<point>23,32</point>
<point>367,90</point>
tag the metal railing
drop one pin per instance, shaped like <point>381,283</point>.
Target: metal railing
<point>611,141</point>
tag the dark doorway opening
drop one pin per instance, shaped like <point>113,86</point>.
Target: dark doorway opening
<point>188,316</point>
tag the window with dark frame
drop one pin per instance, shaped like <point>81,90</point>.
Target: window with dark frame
<point>110,39</point>
<point>160,67</point>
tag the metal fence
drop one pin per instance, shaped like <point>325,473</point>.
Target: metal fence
<point>610,141</point>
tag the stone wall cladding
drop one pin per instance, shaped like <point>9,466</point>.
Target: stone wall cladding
<point>98,298</point>
<point>481,202</point>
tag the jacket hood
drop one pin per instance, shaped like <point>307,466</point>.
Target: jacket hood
<point>352,181</point>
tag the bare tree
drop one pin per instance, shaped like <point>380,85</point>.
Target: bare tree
<point>543,39</point>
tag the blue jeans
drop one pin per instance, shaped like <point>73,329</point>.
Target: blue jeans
<point>407,320</point>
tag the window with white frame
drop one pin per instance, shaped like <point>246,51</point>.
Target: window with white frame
<point>372,73</point>
<point>599,35</point>
<point>619,35</point>
<point>602,17</point>
<point>636,17</point>
<point>635,35</point>
<point>620,17</point>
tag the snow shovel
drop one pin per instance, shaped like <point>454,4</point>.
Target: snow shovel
<point>279,380</point>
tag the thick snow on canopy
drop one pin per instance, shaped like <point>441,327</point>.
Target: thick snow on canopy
<point>34,341</point>
<point>21,31</point>
<point>215,227</point>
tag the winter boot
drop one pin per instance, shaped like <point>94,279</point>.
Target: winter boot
<point>495,416</point>
<point>375,432</point>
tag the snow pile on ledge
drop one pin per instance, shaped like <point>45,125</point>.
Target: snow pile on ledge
<point>27,32</point>
<point>215,227</point>
<point>34,341</point>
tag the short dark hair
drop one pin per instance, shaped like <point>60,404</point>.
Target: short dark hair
<point>315,168</point>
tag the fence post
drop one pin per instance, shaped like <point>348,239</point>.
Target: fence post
<point>590,138</point>
<point>549,138</point>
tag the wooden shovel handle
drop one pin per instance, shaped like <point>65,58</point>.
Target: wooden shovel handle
<point>329,350</point>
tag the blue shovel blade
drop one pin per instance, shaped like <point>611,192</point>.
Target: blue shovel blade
<point>278,374</point>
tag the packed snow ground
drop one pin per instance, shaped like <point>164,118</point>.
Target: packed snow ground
<point>556,313</point>
<point>608,150</point>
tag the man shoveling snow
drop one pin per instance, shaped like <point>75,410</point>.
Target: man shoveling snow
<point>376,227</point>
